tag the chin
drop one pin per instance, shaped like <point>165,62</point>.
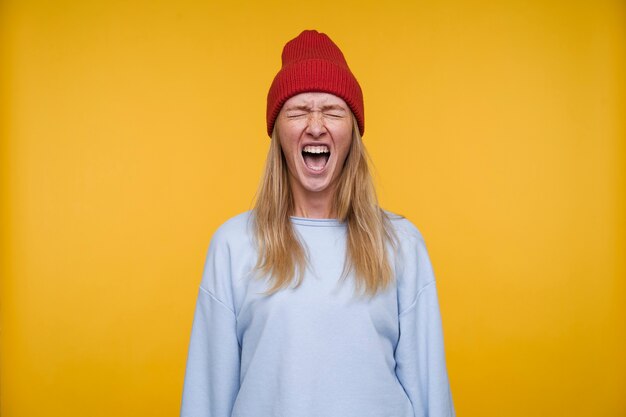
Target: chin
<point>314,187</point>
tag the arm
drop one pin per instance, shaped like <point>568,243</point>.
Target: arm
<point>212,374</point>
<point>419,354</point>
<point>420,357</point>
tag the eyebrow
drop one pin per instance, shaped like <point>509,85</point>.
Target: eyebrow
<point>308,108</point>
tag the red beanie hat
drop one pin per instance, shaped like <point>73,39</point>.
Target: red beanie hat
<point>312,62</point>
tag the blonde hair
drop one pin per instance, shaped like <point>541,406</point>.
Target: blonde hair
<point>282,256</point>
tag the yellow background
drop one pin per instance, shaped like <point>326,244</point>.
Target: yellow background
<point>132,129</point>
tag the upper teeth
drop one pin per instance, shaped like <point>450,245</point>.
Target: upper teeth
<point>316,149</point>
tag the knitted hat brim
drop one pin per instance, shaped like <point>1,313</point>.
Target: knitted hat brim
<point>314,75</point>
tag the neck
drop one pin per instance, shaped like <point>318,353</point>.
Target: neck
<point>315,205</point>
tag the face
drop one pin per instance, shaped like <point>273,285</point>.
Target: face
<point>315,133</point>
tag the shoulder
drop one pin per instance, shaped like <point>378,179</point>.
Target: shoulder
<point>230,244</point>
<point>411,262</point>
<point>236,229</point>
<point>405,230</point>
<point>411,244</point>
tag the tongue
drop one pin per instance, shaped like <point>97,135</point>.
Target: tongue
<point>315,161</point>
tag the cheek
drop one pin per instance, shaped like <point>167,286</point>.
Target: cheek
<point>342,158</point>
<point>344,149</point>
<point>287,146</point>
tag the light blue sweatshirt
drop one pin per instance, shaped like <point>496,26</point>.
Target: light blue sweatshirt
<point>315,351</point>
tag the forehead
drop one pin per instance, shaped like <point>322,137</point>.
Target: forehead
<point>315,99</point>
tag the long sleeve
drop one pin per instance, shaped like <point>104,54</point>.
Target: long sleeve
<point>420,358</point>
<point>213,363</point>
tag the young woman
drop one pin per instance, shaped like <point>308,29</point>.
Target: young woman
<point>316,303</point>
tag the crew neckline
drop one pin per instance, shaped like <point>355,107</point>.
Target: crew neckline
<point>308,221</point>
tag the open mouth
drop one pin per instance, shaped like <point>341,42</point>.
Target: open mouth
<point>316,156</point>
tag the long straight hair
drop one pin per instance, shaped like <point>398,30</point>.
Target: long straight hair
<point>282,256</point>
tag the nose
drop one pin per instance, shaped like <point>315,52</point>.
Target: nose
<point>315,124</point>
